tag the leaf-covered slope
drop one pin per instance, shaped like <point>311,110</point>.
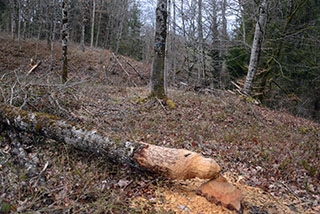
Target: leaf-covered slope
<point>256,146</point>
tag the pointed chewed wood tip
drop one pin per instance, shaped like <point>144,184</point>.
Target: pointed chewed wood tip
<point>220,192</point>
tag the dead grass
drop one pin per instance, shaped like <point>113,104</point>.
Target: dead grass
<point>275,151</point>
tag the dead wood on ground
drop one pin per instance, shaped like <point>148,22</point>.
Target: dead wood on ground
<point>169,162</point>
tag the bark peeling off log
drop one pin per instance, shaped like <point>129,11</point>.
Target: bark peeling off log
<point>172,163</point>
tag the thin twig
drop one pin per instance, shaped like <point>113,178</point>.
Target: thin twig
<point>120,64</point>
<point>40,174</point>
<point>141,77</point>
<point>161,104</point>
<point>34,68</point>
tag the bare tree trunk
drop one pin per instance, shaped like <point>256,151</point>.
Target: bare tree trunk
<point>256,46</point>
<point>37,43</point>
<point>84,8</point>
<point>173,42</point>
<point>157,75</point>
<point>92,22</point>
<point>64,74</point>
<point>201,66</point>
<point>83,29</point>
<point>19,23</point>
<point>14,17</point>
<point>27,19</point>
<point>168,162</point>
<point>244,37</point>
<point>224,74</point>
<point>52,34</point>
<point>99,26</point>
<point>120,28</point>
<point>183,20</point>
<point>168,54</point>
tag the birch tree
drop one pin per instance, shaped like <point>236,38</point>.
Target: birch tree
<point>64,74</point>
<point>84,10</point>
<point>173,40</point>
<point>201,65</point>
<point>157,74</point>
<point>224,74</point>
<point>256,46</point>
<point>92,22</point>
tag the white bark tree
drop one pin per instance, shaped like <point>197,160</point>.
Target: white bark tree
<point>256,46</point>
<point>92,22</point>
<point>84,11</point>
<point>224,74</point>
<point>173,41</point>
<point>64,74</point>
<point>201,65</point>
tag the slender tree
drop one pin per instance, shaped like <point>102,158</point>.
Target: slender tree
<point>256,46</point>
<point>99,9</point>
<point>224,74</point>
<point>173,41</point>
<point>157,75</point>
<point>201,65</point>
<point>92,22</point>
<point>53,26</point>
<point>121,21</point>
<point>64,74</point>
<point>84,10</point>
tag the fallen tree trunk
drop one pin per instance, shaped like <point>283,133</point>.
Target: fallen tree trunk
<point>169,162</point>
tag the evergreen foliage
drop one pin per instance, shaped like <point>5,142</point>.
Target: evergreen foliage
<point>289,66</point>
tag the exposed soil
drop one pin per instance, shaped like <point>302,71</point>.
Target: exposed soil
<point>273,157</point>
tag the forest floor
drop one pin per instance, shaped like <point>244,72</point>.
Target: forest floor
<point>272,156</point>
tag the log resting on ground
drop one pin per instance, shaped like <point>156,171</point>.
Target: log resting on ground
<point>168,162</point>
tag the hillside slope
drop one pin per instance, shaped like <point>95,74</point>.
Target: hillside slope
<point>257,147</point>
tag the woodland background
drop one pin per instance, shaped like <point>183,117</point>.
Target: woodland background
<point>271,155</point>
<point>208,44</point>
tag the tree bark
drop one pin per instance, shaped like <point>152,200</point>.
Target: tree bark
<point>121,25</point>
<point>201,62</point>
<point>64,74</point>
<point>173,42</point>
<point>168,162</point>
<point>256,46</point>
<point>157,76</point>
<point>84,8</point>
<point>92,22</point>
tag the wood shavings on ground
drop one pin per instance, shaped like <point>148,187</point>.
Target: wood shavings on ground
<point>181,198</point>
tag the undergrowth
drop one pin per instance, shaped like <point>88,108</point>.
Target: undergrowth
<point>271,150</point>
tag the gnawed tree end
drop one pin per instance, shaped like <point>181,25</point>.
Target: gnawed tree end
<point>176,163</point>
<point>167,162</point>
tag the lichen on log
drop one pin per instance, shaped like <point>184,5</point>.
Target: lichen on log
<point>169,162</point>
<point>76,135</point>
